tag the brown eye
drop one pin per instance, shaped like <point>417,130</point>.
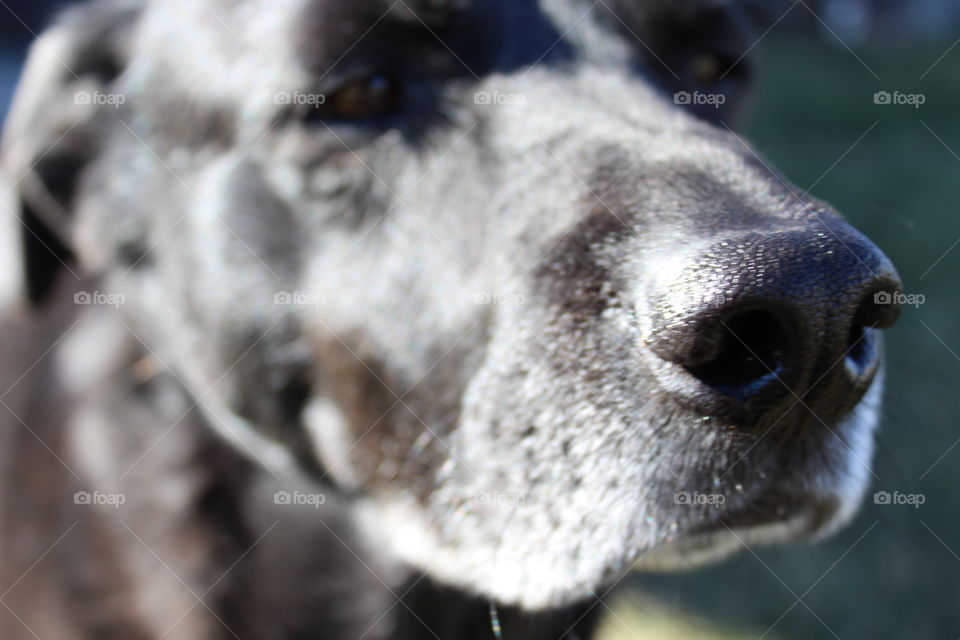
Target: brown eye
<point>365,97</point>
<point>706,69</point>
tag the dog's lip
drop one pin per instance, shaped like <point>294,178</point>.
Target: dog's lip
<point>809,512</point>
<point>812,515</point>
<point>711,539</point>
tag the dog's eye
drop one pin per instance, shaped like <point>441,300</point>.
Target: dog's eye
<point>371,95</point>
<point>706,69</point>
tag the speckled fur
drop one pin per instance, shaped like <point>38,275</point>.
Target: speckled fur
<point>525,451</point>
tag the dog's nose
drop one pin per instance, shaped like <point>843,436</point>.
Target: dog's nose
<point>762,316</point>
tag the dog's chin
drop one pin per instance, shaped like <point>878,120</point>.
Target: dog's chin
<point>552,567</point>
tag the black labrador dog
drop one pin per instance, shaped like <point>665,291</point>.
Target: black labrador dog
<point>409,319</point>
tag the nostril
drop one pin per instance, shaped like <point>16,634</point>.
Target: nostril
<point>860,349</point>
<point>878,309</point>
<point>751,351</point>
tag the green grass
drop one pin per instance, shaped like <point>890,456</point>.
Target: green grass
<point>901,186</point>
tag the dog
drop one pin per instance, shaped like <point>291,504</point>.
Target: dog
<point>409,319</point>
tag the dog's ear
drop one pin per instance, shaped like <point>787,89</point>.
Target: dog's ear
<point>66,98</point>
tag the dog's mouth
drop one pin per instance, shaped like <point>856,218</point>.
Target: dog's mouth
<point>809,502</point>
<point>776,518</point>
<point>710,544</point>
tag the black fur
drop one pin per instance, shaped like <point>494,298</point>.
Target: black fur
<point>478,333</point>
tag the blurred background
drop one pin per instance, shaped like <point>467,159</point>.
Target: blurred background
<point>891,162</point>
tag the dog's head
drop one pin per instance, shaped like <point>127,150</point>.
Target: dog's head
<point>499,269</point>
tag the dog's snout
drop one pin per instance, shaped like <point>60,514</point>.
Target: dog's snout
<point>764,316</point>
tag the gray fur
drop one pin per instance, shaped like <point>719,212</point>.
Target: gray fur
<point>466,373</point>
